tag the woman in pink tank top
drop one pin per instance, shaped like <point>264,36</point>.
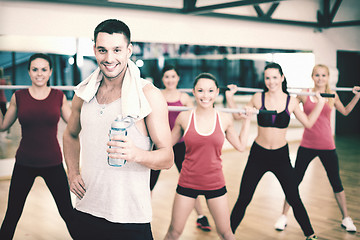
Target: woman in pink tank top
<point>204,130</point>
<point>318,141</point>
<point>174,97</point>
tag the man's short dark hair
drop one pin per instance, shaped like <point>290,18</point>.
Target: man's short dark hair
<point>111,26</point>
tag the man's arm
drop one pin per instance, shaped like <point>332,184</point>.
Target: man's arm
<point>157,124</point>
<point>72,148</point>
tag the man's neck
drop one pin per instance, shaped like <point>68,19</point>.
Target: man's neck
<point>109,91</point>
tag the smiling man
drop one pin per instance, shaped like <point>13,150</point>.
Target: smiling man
<point>114,202</point>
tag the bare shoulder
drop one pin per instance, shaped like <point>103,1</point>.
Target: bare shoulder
<point>226,119</point>
<point>77,103</point>
<point>184,115</point>
<point>257,95</point>
<point>293,103</point>
<point>293,100</point>
<point>153,94</point>
<point>159,111</point>
<point>184,97</point>
<point>151,89</point>
<point>256,100</point>
<point>183,118</point>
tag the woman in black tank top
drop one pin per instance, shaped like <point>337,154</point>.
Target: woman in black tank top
<point>270,150</point>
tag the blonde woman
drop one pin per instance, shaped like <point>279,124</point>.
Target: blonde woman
<point>318,141</point>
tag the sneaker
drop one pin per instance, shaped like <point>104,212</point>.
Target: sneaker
<point>348,224</point>
<point>203,224</point>
<point>314,237</point>
<point>281,223</point>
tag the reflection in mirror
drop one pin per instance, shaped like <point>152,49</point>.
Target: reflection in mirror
<point>229,64</point>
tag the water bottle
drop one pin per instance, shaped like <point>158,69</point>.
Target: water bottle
<point>119,127</point>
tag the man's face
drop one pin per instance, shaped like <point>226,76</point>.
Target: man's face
<point>112,52</point>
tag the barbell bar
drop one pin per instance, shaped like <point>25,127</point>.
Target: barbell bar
<point>337,89</point>
<point>227,110</point>
<point>189,90</point>
<point>64,88</point>
<point>243,89</point>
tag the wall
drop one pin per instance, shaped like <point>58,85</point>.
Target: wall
<point>49,27</point>
<point>53,28</point>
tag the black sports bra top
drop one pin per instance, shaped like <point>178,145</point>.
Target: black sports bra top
<point>279,120</point>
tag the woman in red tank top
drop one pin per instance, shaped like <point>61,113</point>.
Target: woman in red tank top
<point>204,130</point>
<point>38,109</point>
<point>174,97</point>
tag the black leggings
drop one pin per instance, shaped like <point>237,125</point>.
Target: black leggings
<point>328,158</point>
<point>179,155</point>
<point>3,108</point>
<point>277,161</point>
<point>90,227</point>
<point>22,180</point>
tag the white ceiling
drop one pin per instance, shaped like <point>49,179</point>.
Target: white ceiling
<point>294,12</point>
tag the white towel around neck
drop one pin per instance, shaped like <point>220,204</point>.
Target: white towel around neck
<point>133,101</point>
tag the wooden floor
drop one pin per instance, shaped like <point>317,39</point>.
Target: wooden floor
<point>40,219</point>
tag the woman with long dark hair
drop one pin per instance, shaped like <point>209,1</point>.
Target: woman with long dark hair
<point>204,130</point>
<point>38,109</point>
<point>270,151</point>
<point>170,78</point>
